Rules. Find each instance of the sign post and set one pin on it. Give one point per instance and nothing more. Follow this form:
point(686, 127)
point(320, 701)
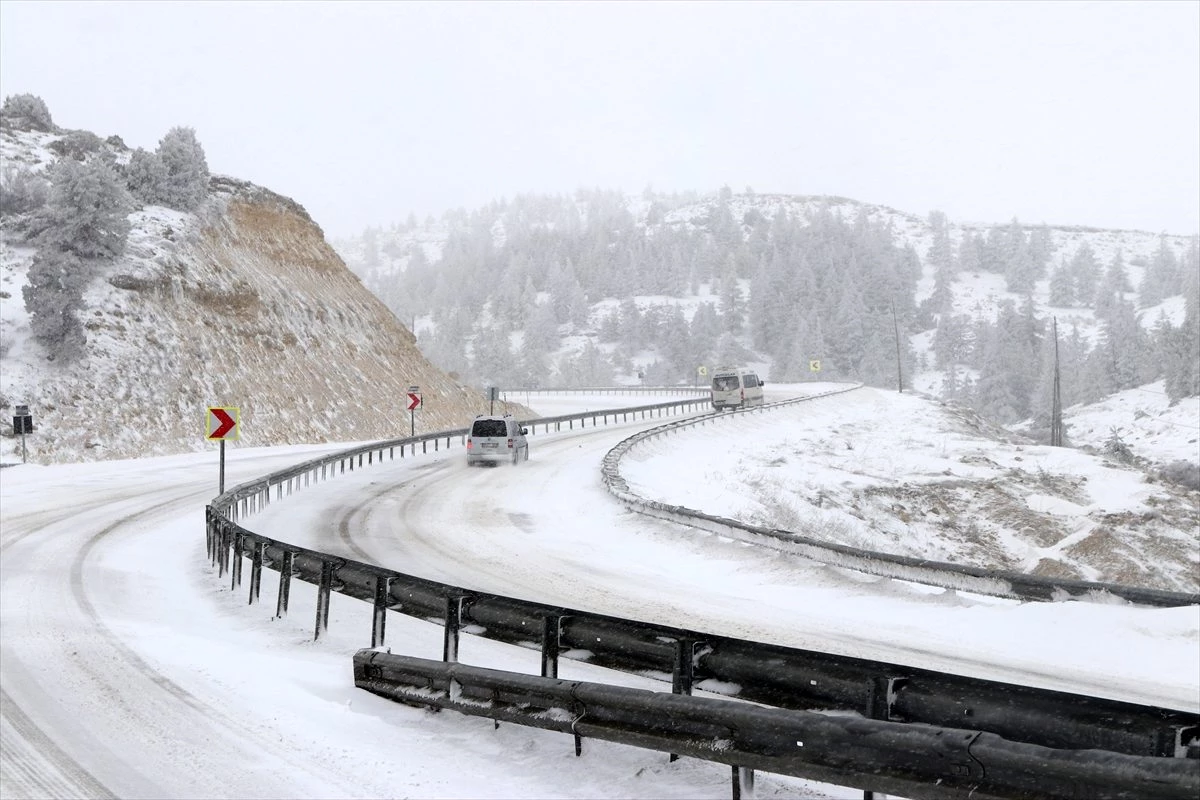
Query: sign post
point(22, 424)
point(221, 423)
point(414, 400)
point(701, 371)
point(492, 393)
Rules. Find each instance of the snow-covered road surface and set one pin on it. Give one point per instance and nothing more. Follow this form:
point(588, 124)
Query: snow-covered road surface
point(130, 670)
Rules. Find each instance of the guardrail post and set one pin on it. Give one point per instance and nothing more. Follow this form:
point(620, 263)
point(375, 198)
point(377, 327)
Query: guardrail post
point(236, 572)
point(256, 564)
point(286, 570)
point(681, 679)
point(222, 548)
point(551, 643)
point(323, 590)
point(683, 672)
point(383, 585)
point(881, 694)
point(454, 609)
point(743, 783)
point(209, 523)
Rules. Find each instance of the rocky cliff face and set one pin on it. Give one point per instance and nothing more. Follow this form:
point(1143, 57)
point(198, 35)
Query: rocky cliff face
point(243, 304)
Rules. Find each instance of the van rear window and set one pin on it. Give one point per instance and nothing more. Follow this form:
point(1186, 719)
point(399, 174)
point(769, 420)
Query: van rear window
point(725, 383)
point(489, 427)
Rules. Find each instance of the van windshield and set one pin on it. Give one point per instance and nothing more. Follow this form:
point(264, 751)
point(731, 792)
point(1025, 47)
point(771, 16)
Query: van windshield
point(489, 427)
point(725, 383)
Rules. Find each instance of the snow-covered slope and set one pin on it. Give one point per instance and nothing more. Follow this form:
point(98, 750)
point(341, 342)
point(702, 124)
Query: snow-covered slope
point(241, 304)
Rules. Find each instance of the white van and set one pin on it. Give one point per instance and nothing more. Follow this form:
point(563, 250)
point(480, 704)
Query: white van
point(496, 438)
point(735, 387)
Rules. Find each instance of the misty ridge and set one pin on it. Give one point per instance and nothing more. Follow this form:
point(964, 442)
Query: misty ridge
point(604, 288)
point(600, 287)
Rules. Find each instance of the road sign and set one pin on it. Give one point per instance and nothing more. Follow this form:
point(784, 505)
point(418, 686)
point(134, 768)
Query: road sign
point(22, 420)
point(702, 370)
point(814, 365)
point(414, 400)
point(222, 423)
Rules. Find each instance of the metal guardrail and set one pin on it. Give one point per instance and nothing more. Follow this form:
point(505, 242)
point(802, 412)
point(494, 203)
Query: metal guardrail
point(784, 677)
point(997, 583)
point(253, 495)
point(917, 762)
point(771, 674)
point(605, 390)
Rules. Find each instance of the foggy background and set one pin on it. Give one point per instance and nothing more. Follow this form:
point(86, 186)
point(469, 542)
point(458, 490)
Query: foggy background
point(1065, 113)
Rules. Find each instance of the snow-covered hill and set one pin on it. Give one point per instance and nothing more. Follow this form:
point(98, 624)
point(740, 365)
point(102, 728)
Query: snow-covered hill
point(383, 257)
point(241, 304)
point(379, 255)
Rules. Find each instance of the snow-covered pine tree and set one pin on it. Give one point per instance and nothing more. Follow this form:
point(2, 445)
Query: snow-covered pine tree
point(145, 175)
point(26, 112)
point(186, 183)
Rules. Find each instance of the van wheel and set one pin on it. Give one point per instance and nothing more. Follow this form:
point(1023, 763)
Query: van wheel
point(514, 458)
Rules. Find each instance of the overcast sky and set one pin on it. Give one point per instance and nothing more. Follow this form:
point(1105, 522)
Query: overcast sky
point(1084, 113)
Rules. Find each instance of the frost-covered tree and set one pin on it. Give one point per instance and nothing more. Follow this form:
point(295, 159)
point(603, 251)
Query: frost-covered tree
point(705, 326)
point(846, 338)
point(1062, 286)
point(53, 297)
point(1007, 362)
point(587, 368)
point(87, 211)
point(22, 191)
point(970, 253)
point(85, 221)
point(952, 341)
point(186, 183)
point(567, 296)
point(145, 175)
point(733, 304)
point(1071, 349)
point(1112, 288)
point(541, 333)
point(26, 112)
point(729, 351)
point(877, 367)
point(1161, 279)
point(1085, 272)
point(492, 356)
point(1180, 346)
point(1123, 351)
point(680, 352)
point(1021, 268)
point(941, 251)
point(78, 145)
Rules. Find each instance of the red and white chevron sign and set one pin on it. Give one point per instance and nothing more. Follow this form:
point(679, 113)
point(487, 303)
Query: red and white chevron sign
point(222, 423)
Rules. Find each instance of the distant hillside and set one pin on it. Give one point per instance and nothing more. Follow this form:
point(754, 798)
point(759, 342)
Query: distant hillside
point(546, 290)
point(239, 303)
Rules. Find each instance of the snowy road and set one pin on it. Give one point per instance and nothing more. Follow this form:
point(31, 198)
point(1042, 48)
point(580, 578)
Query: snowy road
point(128, 669)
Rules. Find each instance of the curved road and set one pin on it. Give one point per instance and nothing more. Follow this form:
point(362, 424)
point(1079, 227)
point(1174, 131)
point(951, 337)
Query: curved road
point(116, 681)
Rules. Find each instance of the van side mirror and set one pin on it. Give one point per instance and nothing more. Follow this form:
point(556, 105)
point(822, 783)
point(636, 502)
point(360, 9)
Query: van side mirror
point(524, 431)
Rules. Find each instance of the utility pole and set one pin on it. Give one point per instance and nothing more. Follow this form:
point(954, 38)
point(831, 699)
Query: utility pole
point(896, 331)
point(1056, 424)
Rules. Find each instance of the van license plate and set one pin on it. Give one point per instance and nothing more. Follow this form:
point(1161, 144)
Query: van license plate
point(490, 445)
